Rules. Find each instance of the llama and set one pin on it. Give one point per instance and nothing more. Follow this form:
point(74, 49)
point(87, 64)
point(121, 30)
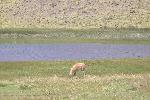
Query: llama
point(76, 67)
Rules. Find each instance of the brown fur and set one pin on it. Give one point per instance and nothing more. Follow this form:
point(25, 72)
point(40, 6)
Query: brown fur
point(76, 67)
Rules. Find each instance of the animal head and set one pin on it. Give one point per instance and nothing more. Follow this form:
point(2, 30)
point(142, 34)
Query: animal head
point(72, 72)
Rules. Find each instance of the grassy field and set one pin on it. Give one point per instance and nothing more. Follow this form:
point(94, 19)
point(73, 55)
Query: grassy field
point(110, 35)
point(118, 79)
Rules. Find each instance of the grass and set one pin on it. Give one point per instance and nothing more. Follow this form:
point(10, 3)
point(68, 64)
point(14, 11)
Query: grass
point(7, 1)
point(72, 40)
point(81, 15)
point(118, 79)
point(60, 68)
point(77, 32)
point(23, 35)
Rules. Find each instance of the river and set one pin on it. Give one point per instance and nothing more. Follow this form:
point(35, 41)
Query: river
point(82, 51)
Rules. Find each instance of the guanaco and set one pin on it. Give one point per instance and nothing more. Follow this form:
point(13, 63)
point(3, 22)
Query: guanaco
point(76, 67)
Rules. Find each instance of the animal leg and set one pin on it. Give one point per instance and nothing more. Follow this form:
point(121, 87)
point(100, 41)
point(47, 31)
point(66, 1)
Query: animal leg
point(84, 74)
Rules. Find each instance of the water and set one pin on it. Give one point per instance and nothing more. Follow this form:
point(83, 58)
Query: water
point(36, 52)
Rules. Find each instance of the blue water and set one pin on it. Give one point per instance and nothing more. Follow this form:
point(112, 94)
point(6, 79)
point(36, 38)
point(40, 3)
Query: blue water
point(36, 52)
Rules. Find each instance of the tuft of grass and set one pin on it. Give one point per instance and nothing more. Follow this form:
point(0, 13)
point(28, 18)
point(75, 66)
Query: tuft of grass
point(24, 87)
point(3, 85)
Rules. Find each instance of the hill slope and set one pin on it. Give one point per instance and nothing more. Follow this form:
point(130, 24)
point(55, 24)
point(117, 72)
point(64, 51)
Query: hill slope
point(75, 13)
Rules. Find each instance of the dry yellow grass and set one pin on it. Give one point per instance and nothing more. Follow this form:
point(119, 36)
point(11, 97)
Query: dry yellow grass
point(95, 87)
point(75, 13)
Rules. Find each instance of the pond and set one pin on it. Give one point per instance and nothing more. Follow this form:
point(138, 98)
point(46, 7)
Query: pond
point(82, 51)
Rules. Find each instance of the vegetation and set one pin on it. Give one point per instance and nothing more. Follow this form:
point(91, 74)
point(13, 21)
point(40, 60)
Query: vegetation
point(74, 13)
point(95, 35)
point(105, 79)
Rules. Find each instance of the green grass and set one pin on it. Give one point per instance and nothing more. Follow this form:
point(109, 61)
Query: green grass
point(61, 68)
point(78, 32)
point(23, 35)
point(118, 79)
point(72, 40)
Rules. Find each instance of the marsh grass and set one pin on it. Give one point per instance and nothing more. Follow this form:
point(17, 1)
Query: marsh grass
point(70, 30)
point(118, 79)
point(95, 35)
